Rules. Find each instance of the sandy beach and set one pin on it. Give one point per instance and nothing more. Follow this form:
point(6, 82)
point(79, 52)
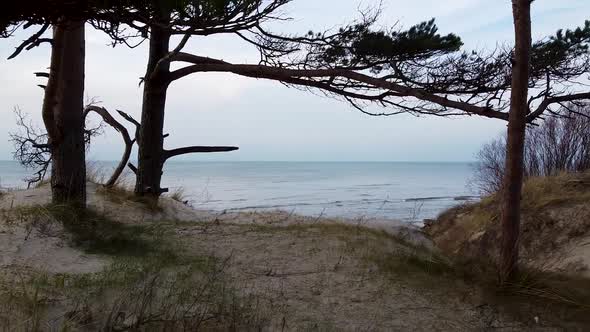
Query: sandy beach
point(295, 272)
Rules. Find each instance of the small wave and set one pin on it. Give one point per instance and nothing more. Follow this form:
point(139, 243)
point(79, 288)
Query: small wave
point(421, 199)
point(375, 185)
point(281, 198)
point(364, 202)
point(266, 207)
point(466, 198)
point(440, 198)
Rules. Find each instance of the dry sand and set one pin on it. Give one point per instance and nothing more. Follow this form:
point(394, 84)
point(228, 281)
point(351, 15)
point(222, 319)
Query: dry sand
point(307, 277)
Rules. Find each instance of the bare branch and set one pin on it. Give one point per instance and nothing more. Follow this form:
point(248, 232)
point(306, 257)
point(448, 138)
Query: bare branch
point(106, 116)
point(556, 100)
point(31, 148)
point(133, 121)
point(132, 168)
point(305, 77)
point(197, 149)
point(42, 74)
point(33, 40)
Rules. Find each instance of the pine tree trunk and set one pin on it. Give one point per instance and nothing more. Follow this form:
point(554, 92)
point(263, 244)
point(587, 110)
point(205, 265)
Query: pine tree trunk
point(151, 139)
point(512, 187)
point(63, 114)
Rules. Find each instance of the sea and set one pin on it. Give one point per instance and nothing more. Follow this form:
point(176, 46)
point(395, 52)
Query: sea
point(406, 191)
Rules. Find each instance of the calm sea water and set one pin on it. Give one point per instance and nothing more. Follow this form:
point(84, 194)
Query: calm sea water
point(404, 191)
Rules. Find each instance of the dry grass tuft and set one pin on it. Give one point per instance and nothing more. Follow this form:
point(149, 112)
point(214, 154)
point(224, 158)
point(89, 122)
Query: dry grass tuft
point(542, 196)
point(43, 183)
point(179, 195)
point(552, 191)
point(123, 192)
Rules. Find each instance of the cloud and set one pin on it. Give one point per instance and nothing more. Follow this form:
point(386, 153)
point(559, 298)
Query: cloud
point(269, 121)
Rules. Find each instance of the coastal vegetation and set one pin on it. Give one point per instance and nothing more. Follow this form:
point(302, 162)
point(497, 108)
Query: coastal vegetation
point(557, 145)
point(112, 267)
point(105, 255)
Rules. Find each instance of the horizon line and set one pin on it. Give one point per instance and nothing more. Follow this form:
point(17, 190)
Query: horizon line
point(296, 161)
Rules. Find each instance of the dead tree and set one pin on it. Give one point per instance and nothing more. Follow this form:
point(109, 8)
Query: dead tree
point(32, 150)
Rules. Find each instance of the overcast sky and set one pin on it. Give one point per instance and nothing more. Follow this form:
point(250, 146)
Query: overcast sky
point(269, 121)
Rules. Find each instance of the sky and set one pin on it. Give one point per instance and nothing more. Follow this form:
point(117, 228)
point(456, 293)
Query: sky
point(271, 122)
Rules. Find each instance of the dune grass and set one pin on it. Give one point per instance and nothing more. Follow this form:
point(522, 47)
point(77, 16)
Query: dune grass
point(94, 233)
point(122, 192)
point(149, 276)
point(179, 195)
point(565, 188)
point(149, 284)
point(553, 297)
point(464, 231)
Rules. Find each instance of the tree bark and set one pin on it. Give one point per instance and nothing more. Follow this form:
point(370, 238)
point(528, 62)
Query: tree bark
point(151, 141)
point(512, 187)
point(63, 114)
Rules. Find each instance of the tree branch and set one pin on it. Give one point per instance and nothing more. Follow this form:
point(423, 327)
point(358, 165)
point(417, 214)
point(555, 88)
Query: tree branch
point(33, 40)
point(132, 168)
point(197, 149)
point(304, 76)
point(133, 121)
point(124, 133)
point(553, 100)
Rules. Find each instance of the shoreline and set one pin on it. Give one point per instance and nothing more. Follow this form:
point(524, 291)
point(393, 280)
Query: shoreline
point(172, 210)
point(286, 271)
point(341, 189)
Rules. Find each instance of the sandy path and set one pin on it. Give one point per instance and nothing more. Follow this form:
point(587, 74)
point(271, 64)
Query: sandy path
point(305, 275)
point(312, 279)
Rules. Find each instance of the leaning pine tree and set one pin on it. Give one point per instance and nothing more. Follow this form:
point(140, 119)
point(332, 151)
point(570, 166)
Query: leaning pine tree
point(417, 71)
point(245, 20)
